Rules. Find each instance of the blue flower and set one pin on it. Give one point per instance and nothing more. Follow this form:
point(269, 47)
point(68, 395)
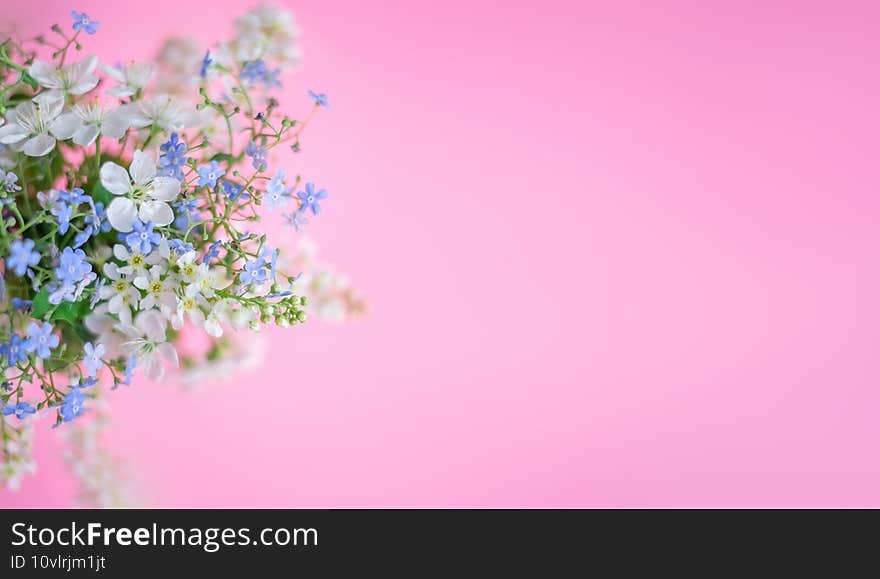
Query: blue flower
point(142, 238)
point(75, 196)
point(21, 304)
point(72, 266)
point(320, 99)
point(173, 157)
point(233, 191)
point(40, 339)
point(81, 21)
point(206, 62)
point(208, 175)
point(295, 219)
point(187, 214)
point(14, 350)
point(65, 212)
point(277, 192)
point(309, 198)
point(92, 357)
point(96, 222)
point(256, 71)
point(179, 246)
point(213, 252)
point(257, 155)
point(61, 292)
point(19, 410)
point(22, 257)
point(73, 403)
point(254, 271)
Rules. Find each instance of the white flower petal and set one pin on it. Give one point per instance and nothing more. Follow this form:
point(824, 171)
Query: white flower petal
point(143, 168)
point(121, 214)
point(168, 352)
point(65, 125)
point(51, 104)
point(85, 84)
point(120, 252)
point(45, 74)
point(115, 123)
point(121, 91)
point(156, 211)
point(39, 145)
point(115, 179)
point(86, 135)
point(114, 72)
point(165, 189)
point(152, 325)
point(12, 133)
point(136, 117)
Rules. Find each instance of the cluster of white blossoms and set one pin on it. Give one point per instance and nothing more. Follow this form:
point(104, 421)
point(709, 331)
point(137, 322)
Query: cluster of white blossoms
point(131, 198)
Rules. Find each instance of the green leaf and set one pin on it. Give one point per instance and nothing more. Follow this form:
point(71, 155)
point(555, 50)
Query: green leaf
point(41, 305)
point(100, 194)
point(70, 312)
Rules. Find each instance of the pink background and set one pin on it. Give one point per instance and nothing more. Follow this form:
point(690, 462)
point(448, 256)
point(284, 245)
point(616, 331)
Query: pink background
point(616, 254)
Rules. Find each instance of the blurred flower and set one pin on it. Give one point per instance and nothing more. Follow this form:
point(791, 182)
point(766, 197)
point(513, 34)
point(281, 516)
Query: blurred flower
point(81, 21)
point(320, 99)
point(19, 410)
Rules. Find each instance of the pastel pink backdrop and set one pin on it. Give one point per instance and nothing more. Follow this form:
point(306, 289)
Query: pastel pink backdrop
point(616, 254)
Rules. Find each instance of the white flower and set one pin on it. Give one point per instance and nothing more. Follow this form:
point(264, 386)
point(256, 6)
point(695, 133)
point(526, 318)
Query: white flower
point(205, 281)
point(266, 31)
point(148, 344)
point(135, 262)
point(189, 306)
point(121, 295)
point(90, 121)
point(163, 111)
point(107, 329)
point(213, 325)
point(74, 79)
point(159, 287)
point(33, 126)
point(144, 195)
point(188, 266)
point(133, 78)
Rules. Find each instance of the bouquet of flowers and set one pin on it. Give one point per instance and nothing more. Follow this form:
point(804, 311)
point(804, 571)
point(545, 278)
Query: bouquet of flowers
point(130, 200)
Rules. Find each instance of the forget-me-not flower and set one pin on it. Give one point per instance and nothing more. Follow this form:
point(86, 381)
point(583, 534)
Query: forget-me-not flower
point(81, 21)
point(14, 350)
point(320, 99)
point(209, 174)
point(72, 266)
point(257, 155)
point(40, 339)
point(206, 62)
point(92, 357)
point(22, 257)
point(213, 252)
point(19, 410)
point(173, 157)
point(310, 198)
point(142, 238)
point(277, 193)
